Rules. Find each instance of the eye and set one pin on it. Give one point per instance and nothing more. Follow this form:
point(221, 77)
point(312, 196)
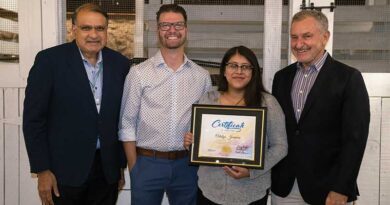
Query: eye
point(164, 26)
point(86, 28)
point(234, 66)
point(307, 36)
point(246, 67)
point(179, 25)
point(293, 37)
point(100, 28)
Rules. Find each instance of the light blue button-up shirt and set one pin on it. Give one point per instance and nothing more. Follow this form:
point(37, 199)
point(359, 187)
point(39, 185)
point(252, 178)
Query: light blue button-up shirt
point(157, 101)
point(95, 78)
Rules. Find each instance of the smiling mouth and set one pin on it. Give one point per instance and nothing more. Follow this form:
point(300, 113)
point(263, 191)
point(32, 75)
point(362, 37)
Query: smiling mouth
point(302, 50)
point(172, 37)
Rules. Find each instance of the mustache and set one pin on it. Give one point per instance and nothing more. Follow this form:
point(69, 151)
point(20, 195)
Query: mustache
point(302, 48)
point(92, 40)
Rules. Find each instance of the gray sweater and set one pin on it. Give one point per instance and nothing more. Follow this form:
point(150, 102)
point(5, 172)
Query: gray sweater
point(223, 189)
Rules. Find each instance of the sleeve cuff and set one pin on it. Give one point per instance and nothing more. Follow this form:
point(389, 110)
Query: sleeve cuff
point(126, 135)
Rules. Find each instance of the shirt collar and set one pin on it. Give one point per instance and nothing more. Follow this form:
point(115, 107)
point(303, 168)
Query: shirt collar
point(159, 62)
point(316, 65)
point(99, 60)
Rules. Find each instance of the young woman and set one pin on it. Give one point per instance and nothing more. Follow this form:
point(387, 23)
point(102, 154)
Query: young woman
point(240, 84)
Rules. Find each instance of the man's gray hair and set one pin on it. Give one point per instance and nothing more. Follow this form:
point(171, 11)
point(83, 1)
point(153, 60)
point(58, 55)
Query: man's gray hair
point(89, 7)
point(317, 15)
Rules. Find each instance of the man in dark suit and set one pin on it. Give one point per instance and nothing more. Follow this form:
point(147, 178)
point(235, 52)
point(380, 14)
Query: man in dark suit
point(71, 113)
point(327, 119)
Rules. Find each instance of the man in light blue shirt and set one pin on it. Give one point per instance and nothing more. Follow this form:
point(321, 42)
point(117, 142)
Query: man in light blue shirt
point(95, 79)
point(155, 115)
point(70, 117)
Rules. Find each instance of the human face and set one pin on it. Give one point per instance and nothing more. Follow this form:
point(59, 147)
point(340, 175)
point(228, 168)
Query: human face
point(90, 32)
point(308, 40)
point(172, 38)
point(239, 78)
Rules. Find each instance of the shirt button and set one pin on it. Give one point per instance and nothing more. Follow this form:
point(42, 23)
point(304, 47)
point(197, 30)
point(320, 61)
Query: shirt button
point(300, 91)
point(305, 75)
point(298, 110)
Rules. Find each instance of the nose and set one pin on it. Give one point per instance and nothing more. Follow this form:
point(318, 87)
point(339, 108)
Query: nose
point(239, 70)
point(172, 28)
point(299, 43)
point(93, 33)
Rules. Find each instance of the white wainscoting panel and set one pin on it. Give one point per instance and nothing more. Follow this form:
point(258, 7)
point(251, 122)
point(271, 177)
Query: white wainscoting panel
point(11, 148)
point(385, 154)
point(1, 145)
point(368, 180)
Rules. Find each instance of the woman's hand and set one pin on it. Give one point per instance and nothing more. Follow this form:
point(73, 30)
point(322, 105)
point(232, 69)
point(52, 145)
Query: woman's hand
point(188, 140)
point(236, 172)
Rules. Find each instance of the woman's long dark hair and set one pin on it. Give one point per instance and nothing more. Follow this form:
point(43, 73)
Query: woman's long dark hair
point(253, 90)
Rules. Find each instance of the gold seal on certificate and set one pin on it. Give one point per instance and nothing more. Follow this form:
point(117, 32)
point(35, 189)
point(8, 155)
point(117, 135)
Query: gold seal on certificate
point(228, 135)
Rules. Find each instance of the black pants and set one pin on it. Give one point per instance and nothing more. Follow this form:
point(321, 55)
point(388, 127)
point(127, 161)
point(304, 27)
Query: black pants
point(95, 191)
point(202, 200)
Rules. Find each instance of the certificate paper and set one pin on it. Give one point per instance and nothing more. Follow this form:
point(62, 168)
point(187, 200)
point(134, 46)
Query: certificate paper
point(228, 135)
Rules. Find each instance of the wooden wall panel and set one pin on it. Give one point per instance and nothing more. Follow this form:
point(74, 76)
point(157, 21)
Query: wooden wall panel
point(342, 41)
point(30, 34)
point(385, 154)
point(226, 13)
point(31, 40)
point(11, 142)
point(368, 180)
point(9, 74)
point(1, 146)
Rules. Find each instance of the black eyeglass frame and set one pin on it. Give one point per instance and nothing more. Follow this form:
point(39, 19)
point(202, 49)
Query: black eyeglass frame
point(165, 26)
point(244, 67)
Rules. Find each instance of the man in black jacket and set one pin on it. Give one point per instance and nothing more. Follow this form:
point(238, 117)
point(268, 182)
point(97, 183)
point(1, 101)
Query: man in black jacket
point(327, 119)
point(71, 113)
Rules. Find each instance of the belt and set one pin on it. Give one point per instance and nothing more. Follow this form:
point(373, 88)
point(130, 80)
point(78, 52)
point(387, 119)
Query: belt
point(171, 155)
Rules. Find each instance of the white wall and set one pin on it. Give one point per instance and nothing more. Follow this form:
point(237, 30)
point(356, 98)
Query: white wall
point(17, 185)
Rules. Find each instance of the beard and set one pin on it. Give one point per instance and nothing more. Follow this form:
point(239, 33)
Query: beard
point(166, 43)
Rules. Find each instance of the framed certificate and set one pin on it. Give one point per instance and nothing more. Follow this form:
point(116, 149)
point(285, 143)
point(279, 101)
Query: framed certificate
point(228, 135)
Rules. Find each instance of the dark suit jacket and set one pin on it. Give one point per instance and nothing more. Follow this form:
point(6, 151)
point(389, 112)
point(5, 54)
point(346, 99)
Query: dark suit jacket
point(326, 146)
point(60, 118)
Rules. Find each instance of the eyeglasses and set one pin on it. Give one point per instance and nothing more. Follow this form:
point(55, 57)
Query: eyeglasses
point(165, 26)
point(245, 68)
point(89, 28)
